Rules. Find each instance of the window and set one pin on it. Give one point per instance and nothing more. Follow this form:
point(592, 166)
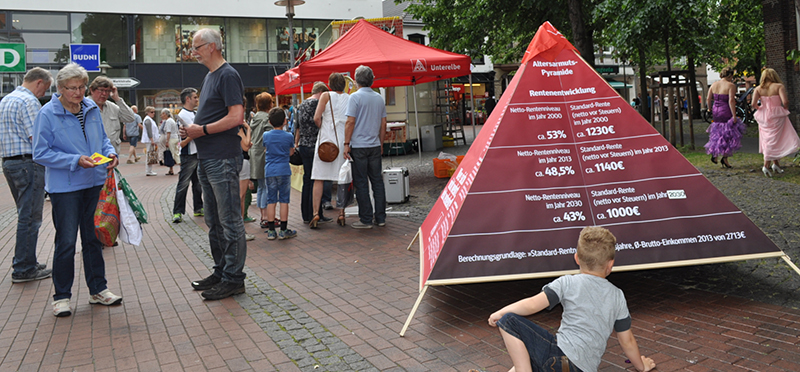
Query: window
point(155, 39)
point(39, 21)
point(43, 48)
point(417, 38)
point(184, 33)
point(246, 40)
point(108, 30)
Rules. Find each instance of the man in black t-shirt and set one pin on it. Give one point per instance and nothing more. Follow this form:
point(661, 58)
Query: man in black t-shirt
point(220, 160)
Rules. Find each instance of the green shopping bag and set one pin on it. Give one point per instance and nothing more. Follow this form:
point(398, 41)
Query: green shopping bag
point(133, 201)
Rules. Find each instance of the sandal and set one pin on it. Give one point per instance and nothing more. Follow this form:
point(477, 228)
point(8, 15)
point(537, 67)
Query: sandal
point(340, 220)
point(314, 221)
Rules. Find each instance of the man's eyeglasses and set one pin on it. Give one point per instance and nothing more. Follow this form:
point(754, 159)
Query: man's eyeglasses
point(195, 48)
point(79, 88)
point(103, 91)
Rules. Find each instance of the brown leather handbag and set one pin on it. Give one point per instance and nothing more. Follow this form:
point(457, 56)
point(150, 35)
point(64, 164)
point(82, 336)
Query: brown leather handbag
point(328, 151)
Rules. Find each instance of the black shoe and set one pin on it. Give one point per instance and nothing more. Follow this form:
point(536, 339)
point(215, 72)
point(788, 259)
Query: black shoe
point(223, 290)
point(41, 266)
point(714, 159)
point(37, 274)
point(206, 283)
point(324, 219)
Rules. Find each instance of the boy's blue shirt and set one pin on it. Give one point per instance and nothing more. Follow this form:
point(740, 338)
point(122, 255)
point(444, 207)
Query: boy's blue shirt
point(278, 144)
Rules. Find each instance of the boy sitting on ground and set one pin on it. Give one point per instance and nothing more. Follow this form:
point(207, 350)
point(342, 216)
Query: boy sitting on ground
point(593, 307)
point(280, 146)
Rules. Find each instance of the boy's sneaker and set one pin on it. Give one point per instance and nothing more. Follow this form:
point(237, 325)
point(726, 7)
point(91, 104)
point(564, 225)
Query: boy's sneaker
point(206, 283)
point(272, 235)
point(37, 274)
point(223, 290)
point(361, 225)
point(286, 234)
point(105, 298)
point(249, 219)
point(249, 237)
point(199, 213)
point(61, 308)
point(176, 218)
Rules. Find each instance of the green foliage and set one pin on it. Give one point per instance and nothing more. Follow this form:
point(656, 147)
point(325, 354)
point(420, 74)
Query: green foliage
point(793, 56)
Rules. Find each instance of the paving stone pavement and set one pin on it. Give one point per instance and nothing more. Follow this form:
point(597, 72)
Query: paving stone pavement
point(334, 299)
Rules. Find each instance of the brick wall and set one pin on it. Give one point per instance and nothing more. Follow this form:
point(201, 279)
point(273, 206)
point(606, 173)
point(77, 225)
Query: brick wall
point(780, 35)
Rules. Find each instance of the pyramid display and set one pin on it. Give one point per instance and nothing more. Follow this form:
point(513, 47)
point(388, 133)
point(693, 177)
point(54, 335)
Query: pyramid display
point(561, 151)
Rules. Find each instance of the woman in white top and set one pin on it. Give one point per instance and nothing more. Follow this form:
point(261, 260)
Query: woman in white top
point(150, 137)
point(329, 132)
point(170, 130)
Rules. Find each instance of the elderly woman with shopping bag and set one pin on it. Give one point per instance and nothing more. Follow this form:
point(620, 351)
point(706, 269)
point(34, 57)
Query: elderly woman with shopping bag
point(67, 132)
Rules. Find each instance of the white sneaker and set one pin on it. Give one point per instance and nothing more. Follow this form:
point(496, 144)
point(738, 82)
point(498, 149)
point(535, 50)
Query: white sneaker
point(151, 173)
point(61, 308)
point(249, 237)
point(105, 298)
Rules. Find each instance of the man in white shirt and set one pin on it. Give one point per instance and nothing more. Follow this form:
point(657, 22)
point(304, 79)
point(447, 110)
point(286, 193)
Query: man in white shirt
point(114, 114)
point(188, 170)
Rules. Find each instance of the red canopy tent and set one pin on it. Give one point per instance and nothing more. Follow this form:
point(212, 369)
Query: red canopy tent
point(395, 61)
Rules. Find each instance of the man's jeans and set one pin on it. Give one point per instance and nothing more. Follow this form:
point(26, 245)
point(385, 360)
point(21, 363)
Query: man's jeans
point(72, 211)
point(541, 345)
point(26, 181)
point(188, 173)
point(367, 169)
point(223, 216)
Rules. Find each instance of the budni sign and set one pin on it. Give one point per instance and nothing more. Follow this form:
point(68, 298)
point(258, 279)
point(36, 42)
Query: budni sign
point(12, 58)
point(86, 55)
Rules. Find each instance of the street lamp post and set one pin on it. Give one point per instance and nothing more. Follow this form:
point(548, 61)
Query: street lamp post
point(290, 4)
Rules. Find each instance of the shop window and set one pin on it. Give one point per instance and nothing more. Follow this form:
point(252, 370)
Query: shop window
point(38, 21)
point(246, 40)
point(390, 96)
point(43, 48)
point(108, 30)
point(2, 20)
point(156, 38)
point(184, 32)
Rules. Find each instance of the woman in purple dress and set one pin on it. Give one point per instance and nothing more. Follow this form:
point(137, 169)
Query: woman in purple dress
point(726, 130)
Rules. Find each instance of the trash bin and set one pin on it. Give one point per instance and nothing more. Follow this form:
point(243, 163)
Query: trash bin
point(432, 137)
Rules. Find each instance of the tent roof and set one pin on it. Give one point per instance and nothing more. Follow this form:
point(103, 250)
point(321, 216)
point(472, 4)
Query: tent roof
point(394, 61)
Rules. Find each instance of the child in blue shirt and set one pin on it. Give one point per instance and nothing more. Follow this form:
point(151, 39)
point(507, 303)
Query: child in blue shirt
point(280, 146)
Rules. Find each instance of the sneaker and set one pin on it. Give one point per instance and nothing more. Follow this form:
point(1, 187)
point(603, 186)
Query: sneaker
point(37, 274)
point(130, 161)
point(105, 298)
point(249, 237)
point(324, 219)
point(380, 224)
point(327, 206)
point(176, 218)
point(249, 219)
point(223, 290)
point(151, 174)
point(61, 308)
point(360, 225)
point(138, 158)
point(206, 283)
point(272, 235)
point(199, 213)
point(286, 234)
point(41, 266)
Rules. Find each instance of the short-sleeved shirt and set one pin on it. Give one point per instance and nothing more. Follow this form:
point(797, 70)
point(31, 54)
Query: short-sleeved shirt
point(593, 307)
point(308, 129)
point(188, 118)
point(132, 128)
point(221, 89)
point(278, 144)
point(368, 108)
point(18, 111)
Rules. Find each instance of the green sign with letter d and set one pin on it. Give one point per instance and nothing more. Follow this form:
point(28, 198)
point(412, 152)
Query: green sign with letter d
point(12, 58)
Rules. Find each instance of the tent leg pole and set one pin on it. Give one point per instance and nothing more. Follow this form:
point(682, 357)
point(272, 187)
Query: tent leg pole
point(791, 264)
point(472, 97)
point(413, 310)
point(416, 119)
point(413, 240)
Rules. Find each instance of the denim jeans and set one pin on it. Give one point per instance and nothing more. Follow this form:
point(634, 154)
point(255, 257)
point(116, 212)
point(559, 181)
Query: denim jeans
point(307, 195)
point(542, 347)
point(26, 181)
point(327, 190)
point(72, 211)
point(367, 169)
point(188, 173)
point(223, 216)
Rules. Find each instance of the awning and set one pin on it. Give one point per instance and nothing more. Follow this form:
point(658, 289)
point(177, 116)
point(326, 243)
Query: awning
point(619, 85)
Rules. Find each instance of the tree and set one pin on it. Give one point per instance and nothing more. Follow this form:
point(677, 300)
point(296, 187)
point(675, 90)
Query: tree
point(501, 28)
point(741, 24)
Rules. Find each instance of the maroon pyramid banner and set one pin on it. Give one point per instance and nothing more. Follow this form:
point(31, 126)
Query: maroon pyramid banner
point(561, 151)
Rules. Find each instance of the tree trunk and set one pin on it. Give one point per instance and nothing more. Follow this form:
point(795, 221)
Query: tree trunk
point(645, 108)
point(693, 89)
point(583, 38)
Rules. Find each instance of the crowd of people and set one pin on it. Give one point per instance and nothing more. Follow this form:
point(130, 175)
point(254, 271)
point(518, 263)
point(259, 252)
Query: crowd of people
point(48, 149)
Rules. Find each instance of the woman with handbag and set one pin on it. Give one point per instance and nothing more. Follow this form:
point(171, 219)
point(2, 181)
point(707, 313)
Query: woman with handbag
point(67, 131)
point(150, 139)
point(305, 140)
point(170, 140)
point(328, 155)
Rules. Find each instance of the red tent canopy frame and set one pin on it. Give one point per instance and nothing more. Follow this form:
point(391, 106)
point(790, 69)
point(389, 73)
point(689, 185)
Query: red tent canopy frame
point(394, 61)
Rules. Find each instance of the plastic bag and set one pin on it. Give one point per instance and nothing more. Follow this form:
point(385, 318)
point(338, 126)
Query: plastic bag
point(447, 156)
point(133, 202)
point(106, 214)
point(130, 230)
point(346, 173)
point(345, 195)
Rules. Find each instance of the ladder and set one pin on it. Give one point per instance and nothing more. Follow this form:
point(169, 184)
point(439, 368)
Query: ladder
point(447, 112)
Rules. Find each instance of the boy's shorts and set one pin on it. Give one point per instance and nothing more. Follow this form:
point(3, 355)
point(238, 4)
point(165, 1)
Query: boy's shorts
point(278, 189)
point(542, 346)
